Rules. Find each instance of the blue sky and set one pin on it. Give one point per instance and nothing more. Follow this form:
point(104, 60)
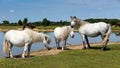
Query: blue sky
point(56, 10)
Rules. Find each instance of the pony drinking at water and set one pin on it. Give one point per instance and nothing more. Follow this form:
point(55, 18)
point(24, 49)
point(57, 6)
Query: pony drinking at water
point(87, 29)
point(24, 38)
point(61, 34)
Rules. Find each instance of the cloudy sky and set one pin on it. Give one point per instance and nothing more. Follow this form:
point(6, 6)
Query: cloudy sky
point(55, 10)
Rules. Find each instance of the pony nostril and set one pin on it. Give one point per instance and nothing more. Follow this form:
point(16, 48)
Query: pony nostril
point(48, 42)
point(72, 26)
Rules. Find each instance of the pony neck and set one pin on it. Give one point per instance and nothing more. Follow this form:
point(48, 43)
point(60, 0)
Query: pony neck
point(38, 37)
point(69, 29)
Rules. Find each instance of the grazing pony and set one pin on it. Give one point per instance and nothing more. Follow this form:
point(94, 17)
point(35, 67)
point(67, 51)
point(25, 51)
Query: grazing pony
point(24, 38)
point(92, 30)
point(61, 34)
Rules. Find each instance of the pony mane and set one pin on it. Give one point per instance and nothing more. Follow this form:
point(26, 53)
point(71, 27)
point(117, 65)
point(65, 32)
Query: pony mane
point(81, 22)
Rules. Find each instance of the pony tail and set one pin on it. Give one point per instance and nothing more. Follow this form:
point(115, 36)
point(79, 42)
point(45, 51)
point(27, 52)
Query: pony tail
point(5, 46)
point(107, 33)
point(109, 30)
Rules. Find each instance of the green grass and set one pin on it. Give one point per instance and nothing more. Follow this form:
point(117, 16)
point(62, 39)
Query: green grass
point(115, 28)
point(10, 27)
point(38, 27)
point(43, 27)
point(90, 58)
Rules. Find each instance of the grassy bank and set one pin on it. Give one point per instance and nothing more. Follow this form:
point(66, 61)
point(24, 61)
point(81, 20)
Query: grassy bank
point(40, 28)
point(90, 58)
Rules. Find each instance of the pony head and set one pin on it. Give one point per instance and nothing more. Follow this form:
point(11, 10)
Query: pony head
point(74, 21)
point(71, 32)
point(46, 42)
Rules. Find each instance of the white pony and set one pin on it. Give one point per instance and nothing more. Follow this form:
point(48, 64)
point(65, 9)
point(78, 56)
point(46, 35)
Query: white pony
point(61, 34)
point(92, 30)
point(24, 38)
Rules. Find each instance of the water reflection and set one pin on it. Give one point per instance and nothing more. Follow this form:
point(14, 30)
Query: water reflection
point(76, 40)
point(117, 33)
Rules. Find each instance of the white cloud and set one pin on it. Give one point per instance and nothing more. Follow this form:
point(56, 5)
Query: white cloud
point(12, 11)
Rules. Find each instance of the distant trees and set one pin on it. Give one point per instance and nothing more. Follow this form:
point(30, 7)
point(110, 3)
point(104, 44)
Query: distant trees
point(25, 21)
point(20, 22)
point(110, 21)
point(6, 22)
point(46, 22)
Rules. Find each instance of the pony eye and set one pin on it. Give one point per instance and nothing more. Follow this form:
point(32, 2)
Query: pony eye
point(45, 38)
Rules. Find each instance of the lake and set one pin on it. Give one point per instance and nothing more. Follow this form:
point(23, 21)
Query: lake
point(37, 46)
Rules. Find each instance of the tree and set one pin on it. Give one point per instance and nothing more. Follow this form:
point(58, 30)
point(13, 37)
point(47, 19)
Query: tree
point(45, 22)
point(25, 21)
point(6, 22)
point(20, 22)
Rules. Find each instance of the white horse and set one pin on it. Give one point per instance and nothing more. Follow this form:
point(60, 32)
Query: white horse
point(92, 30)
point(61, 34)
point(24, 38)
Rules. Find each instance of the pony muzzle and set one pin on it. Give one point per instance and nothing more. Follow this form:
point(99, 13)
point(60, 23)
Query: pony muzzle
point(49, 48)
point(72, 34)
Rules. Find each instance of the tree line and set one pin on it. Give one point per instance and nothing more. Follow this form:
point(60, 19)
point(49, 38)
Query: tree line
point(46, 22)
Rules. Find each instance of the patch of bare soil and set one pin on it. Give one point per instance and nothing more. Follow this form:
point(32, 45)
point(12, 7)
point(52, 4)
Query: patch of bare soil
point(54, 51)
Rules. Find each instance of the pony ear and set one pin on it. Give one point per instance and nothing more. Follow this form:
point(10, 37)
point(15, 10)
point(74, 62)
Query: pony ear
point(75, 17)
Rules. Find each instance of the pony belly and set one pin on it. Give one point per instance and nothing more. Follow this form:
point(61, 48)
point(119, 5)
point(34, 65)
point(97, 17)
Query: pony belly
point(89, 32)
point(92, 35)
point(58, 37)
point(18, 43)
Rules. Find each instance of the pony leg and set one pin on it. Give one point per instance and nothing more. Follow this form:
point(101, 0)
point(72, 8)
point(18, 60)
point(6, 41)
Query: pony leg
point(58, 44)
point(106, 36)
point(29, 47)
point(25, 49)
point(87, 41)
point(105, 41)
point(83, 38)
point(64, 45)
point(10, 51)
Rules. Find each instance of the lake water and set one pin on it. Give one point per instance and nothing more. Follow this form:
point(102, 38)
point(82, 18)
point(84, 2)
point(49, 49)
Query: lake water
point(37, 46)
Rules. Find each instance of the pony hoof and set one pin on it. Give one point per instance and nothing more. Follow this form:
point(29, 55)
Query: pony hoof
point(23, 56)
point(83, 48)
point(49, 48)
point(59, 47)
point(104, 49)
point(66, 48)
point(89, 46)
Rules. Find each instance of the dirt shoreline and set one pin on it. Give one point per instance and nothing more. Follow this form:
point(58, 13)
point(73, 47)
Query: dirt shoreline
point(54, 51)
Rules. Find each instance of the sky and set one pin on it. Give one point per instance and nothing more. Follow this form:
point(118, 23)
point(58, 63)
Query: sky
point(56, 10)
